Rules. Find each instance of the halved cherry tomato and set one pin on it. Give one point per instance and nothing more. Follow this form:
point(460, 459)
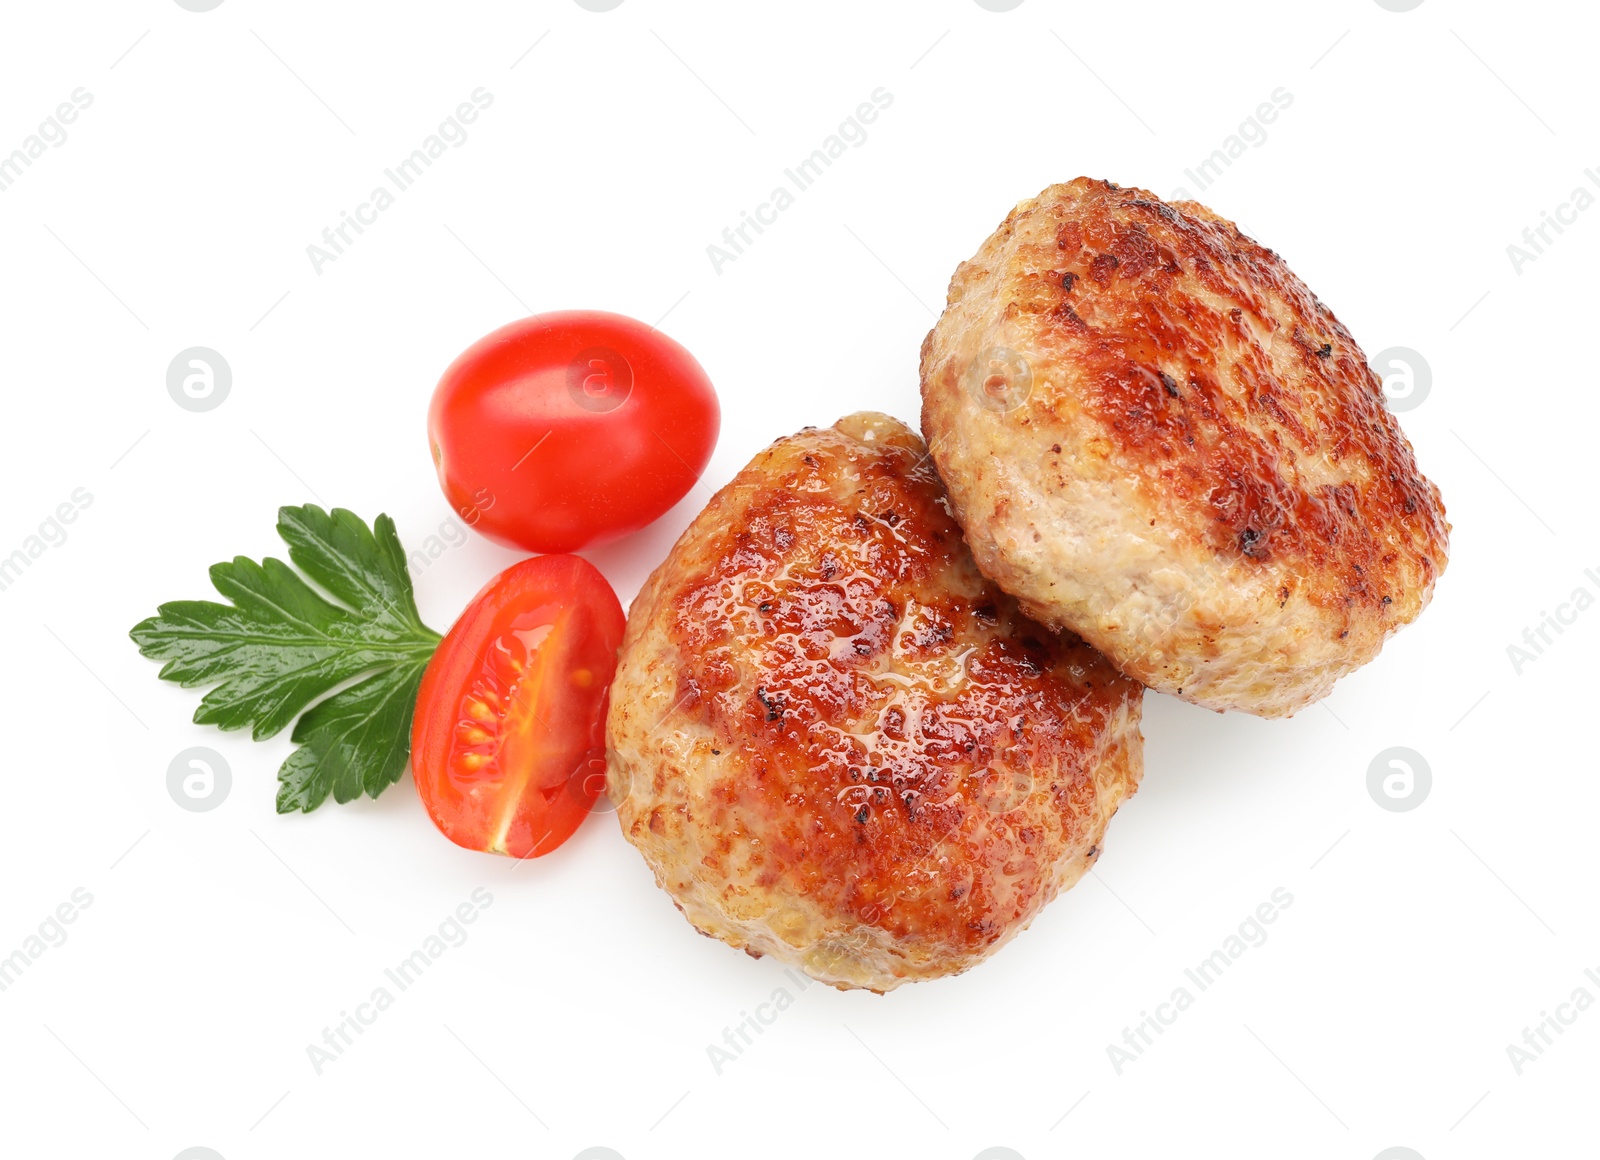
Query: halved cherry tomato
point(568, 429)
point(510, 718)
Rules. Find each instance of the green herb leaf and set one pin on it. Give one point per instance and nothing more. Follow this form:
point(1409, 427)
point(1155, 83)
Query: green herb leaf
point(281, 648)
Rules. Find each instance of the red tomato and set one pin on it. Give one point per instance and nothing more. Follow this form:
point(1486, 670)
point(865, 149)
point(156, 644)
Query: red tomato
point(565, 430)
point(511, 714)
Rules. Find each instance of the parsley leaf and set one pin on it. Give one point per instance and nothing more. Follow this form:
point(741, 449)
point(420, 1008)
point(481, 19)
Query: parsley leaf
point(281, 648)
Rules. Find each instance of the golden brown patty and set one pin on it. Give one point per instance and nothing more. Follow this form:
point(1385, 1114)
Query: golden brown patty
point(834, 742)
point(1155, 436)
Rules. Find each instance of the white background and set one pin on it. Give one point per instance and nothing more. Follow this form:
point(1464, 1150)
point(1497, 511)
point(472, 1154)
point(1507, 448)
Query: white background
point(579, 1012)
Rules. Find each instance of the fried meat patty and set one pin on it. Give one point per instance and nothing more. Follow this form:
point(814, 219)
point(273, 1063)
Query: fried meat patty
point(834, 742)
point(1155, 436)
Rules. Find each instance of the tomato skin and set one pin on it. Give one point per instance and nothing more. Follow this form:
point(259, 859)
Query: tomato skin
point(511, 713)
point(568, 429)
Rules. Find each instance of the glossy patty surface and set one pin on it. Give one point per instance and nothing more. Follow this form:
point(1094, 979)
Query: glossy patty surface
point(836, 743)
point(1157, 437)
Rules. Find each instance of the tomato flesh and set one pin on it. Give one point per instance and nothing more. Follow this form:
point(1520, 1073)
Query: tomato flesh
point(571, 428)
point(510, 717)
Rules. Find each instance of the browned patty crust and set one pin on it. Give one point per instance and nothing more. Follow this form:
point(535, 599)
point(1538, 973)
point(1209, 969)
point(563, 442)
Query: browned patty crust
point(1156, 436)
point(835, 742)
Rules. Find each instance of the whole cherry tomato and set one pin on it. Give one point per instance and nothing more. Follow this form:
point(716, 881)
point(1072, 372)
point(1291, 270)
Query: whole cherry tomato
point(565, 430)
point(508, 743)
